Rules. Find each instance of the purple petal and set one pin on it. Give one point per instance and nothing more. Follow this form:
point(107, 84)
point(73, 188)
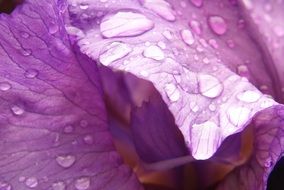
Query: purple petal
point(191, 52)
point(52, 117)
point(268, 146)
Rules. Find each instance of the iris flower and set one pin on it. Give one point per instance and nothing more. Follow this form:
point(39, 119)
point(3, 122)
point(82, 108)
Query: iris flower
point(141, 94)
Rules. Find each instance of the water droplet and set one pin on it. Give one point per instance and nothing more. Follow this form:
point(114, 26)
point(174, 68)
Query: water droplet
point(242, 70)
point(123, 24)
point(114, 52)
point(68, 129)
point(66, 161)
point(231, 43)
point(53, 28)
point(238, 115)
point(161, 8)
point(241, 23)
point(217, 24)
point(162, 45)
point(89, 139)
point(205, 60)
point(5, 186)
point(154, 52)
point(209, 86)
point(84, 123)
point(17, 110)
point(268, 162)
point(58, 185)
point(4, 86)
point(84, 6)
point(194, 107)
point(212, 107)
point(144, 73)
point(168, 35)
point(31, 182)
point(82, 183)
point(197, 3)
point(172, 92)
point(26, 52)
point(196, 27)
point(22, 178)
point(213, 43)
point(187, 37)
point(31, 73)
point(25, 35)
point(249, 96)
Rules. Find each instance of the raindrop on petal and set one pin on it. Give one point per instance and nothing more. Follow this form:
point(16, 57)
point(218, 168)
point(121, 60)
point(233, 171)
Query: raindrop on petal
point(84, 6)
point(197, 3)
point(172, 92)
point(58, 186)
point(25, 35)
point(154, 52)
point(187, 37)
point(196, 27)
point(217, 24)
point(238, 115)
point(31, 73)
point(82, 183)
point(249, 96)
point(5, 186)
point(65, 161)
point(160, 7)
point(68, 129)
point(88, 139)
point(17, 110)
point(31, 182)
point(4, 86)
point(209, 86)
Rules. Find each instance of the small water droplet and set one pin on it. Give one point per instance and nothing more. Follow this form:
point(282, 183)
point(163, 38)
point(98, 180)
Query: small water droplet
point(194, 107)
point(196, 26)
point(26, 52)
point(168, 35)
point(231, 43)
point(213, 43)
point(25, 35)
point(58, 185)
point(82, 183)
point(217, 24)
point(17, 110)
point(31, 73)
point(31, 182)
point(84, 6)
point(187, 37)
point(89, 139)
point(241, 23)
point(5, 186)
point(68, 129)
point(172, 92)
point(154, 52)
point(238, 115)
point(65, 161)
point(4, 86)
point(84, 123)
point(197, 3)
point(242, 70)
point(212, 107)
point(209, 86)
point(53, 28)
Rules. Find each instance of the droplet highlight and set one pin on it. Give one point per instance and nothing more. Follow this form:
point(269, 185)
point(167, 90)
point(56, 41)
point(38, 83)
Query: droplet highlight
point(161, 8)
point(249, 96)
point(31, 182)
point(5, 186)
point(209, 86)
point(4, 86)
point(187, 37)
point(17, 110)
point(58, 186)
point(31, 73)
point(172, 92)
point(154, 52)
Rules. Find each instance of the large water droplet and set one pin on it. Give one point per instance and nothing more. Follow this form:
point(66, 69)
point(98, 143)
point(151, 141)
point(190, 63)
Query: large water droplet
point(114, 52)
point(82, 183)
point(161, 8)
point(154, 52)
point(4, 86)
point(89, 139)
point(31, 182)
point(217, 24)
point(65, 161)
point(197, 3)
point(209, 86)
point(238, 115)
point(31, 73)
point(249, 96)
point(187, 37)
point(58, 185)
point(172, 92)
point(17, 110)
point(5, 186)
point(123, 24)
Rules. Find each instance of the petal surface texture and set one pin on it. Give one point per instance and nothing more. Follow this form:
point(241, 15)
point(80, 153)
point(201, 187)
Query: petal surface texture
point(209, 71)
point(53, 124)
